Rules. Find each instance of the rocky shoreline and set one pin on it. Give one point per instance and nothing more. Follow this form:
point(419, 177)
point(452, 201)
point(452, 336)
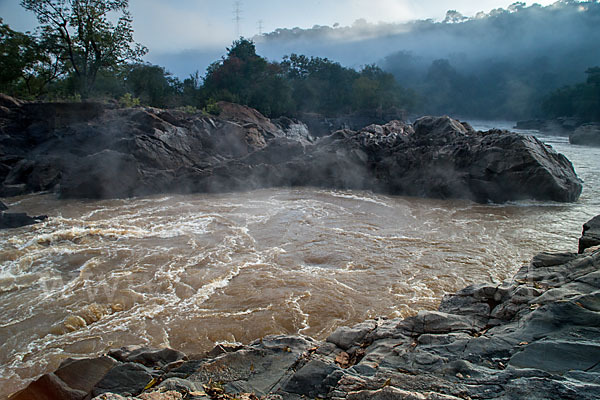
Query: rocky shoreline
point(92, 150)
point(586, 135)
point(579, 132)
point(536, 336)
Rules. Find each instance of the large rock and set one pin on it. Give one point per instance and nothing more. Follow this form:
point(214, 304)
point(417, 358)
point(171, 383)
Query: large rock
point(17, 220)
point(73, 380)
point(88, 150)
point(586, 135)
point(128, 379)
point(591, 234)
point(562, 126)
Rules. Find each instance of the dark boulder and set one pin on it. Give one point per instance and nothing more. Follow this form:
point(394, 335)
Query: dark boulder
point(586, 135)
point(73, 380)
point(591, 234)
point(127, 379)
point(445, 158)
point(17, 220)
point(49, 387)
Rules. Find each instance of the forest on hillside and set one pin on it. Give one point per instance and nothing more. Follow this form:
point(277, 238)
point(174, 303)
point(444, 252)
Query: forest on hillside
point(78, 53)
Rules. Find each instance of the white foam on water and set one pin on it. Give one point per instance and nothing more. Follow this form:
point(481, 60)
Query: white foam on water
point(372, 198)
point(302, 319)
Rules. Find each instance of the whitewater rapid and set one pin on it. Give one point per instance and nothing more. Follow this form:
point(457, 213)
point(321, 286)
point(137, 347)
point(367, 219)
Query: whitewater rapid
point(191, 271)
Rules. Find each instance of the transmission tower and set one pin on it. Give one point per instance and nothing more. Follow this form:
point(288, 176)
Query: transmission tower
point(237, 12)
point(260, 26)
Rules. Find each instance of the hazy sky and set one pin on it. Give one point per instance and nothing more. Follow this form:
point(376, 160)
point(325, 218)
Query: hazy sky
point(167, 26)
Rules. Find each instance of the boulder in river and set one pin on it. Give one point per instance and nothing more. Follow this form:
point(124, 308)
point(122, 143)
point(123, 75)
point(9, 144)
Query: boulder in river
point(17, 220)
point(586, 135)
point(591, 234)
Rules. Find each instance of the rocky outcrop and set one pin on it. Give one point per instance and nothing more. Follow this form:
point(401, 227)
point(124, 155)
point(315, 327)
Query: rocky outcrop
point(534, 337)
point(94, 151)
point(591, 234)
point(320, 125)
point(586, 135)
point(563, 126)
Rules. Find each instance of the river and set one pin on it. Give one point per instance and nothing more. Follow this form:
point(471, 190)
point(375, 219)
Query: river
point(190, 271)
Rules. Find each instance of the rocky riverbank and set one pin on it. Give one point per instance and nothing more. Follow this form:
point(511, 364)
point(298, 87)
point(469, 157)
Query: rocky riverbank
point(534, 337)
point(555, 127)
point(90, 150)
point(579, 132)
point(586, 135)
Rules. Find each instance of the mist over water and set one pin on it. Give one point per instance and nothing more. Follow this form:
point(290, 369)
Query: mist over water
point(190, 271)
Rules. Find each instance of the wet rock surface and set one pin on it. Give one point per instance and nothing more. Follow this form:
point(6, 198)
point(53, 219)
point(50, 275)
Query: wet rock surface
point(591, 234)
point(95, 151)
point(17, 220)
point(10, 220)
point(536, 336)
point(562, 126)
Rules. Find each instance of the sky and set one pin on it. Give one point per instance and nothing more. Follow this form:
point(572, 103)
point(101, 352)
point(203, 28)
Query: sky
point(172, 26)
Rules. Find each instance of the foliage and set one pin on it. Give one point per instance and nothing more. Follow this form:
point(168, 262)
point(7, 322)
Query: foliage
point(152, 84)
point(212, 107)
point(82, 37)
point(246, 78)
point(188, 109)
point(128, 101)
point(298, 84)
point(581, 101)
point(26, 68)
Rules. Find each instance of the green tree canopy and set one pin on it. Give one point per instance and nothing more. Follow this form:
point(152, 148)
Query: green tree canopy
point(26, 66)
point(246, 78)
point(84, 39)
point(581, 100)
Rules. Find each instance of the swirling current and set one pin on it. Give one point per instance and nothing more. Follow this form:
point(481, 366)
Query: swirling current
point(189, 271)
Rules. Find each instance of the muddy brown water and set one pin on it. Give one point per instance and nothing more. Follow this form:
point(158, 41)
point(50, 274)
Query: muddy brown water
point(191, 271)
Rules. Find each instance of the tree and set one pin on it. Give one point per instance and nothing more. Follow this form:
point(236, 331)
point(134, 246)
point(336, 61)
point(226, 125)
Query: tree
point(152, 84)
point(84, 39)
point(246, 78)
point(26, 66)
point(581, 100)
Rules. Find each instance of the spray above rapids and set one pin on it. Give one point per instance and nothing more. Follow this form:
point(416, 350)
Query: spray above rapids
point(132, 152)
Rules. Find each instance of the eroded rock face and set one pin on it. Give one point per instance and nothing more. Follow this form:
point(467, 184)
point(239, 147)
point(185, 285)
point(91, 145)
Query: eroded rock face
point(98, 152)
point(533, 337)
